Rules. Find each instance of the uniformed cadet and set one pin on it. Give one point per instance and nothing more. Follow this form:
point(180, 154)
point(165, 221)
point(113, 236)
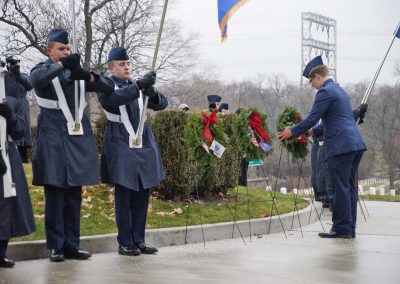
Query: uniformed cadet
point(64, 158)
point(16, 215)
point(17, 85)
point(320, 166)
point(344, 145)
point(214, 102)
point(224, 108)
point(132, 169)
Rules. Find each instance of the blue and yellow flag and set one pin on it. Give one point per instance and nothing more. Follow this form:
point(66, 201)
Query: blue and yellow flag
point(397, 31)
point(226, 8)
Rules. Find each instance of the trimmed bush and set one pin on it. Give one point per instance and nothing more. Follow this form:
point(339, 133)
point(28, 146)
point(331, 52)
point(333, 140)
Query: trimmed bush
point(188, 167)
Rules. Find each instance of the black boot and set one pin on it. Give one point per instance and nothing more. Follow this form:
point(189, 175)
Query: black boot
point(6, 263)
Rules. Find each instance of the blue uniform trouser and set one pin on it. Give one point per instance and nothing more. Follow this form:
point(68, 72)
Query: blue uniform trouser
point(314, 169)
point(62, 216)
point(3, 248)
point(343, 170)
point(131, 214)
point(324, 183)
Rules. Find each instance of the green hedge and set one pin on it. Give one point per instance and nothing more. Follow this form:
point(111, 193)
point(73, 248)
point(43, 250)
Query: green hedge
point(188, 167)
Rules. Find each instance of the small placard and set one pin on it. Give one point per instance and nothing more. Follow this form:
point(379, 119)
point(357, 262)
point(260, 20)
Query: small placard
point(265, 147)
point(205, 146)
point(217, 148)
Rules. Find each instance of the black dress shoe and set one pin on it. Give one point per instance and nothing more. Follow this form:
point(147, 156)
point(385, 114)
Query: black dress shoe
point(128, 250)
point(56, 255)
point(6, 263)
point(353, 235)
point(334, 235)
point(146, 249)
point(76, 253)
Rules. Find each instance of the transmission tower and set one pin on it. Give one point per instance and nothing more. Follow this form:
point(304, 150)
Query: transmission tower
point(318, 37)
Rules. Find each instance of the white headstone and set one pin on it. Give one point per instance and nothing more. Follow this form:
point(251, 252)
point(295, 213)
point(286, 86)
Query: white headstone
point(381, 191)
point(294, 190)
point(361, 189)
point(268, 188)
point(283, 190)
point(392, 192)
point(372, 190)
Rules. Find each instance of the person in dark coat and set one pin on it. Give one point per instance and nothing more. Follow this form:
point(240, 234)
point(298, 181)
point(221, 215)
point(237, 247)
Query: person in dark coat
point(64, 159)
point(133, 170)
point(344, 145)
point(224, 108)
point(16, 214)
point(323, 179)
point(214, 102)
point(17, 85)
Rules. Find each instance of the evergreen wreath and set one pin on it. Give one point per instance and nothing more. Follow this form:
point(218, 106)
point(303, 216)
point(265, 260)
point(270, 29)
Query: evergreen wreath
point(244, 134)
point(195, 140)
point(296, 146)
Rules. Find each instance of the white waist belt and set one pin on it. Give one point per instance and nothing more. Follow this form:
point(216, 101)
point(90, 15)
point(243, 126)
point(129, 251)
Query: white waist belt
point(113, 117)
point(46, 103)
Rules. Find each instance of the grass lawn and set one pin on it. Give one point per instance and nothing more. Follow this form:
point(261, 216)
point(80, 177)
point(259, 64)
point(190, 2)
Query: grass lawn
point(98, 216)
point(382, 198)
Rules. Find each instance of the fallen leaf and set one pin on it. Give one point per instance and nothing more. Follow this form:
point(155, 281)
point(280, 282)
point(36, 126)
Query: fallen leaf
point(177, 211)
point(262, 214)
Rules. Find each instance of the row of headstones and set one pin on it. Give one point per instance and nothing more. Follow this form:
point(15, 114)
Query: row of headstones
point(307, 191)
point(284, 190)
point(371, 181)
point(376, 191)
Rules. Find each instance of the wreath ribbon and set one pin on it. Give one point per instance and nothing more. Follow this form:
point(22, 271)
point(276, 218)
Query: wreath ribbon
point(256, 125)
point(208, 120)
point(302, 138)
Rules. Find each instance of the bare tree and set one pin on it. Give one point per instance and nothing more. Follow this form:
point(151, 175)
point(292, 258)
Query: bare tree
point(384, 125)
point(101, 24)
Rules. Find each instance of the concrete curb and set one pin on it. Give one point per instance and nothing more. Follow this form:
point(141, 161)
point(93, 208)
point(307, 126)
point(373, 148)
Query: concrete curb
point(177, 236)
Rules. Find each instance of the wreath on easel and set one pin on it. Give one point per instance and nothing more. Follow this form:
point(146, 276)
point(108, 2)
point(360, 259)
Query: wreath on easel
point(296, 146)
point(251, 130)
point(202, 131)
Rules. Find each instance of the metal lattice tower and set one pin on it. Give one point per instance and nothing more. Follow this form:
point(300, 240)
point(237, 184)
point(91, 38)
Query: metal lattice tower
point(318, 37)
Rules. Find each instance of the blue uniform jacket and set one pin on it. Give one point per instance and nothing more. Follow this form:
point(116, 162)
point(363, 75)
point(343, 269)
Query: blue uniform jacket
point(332, 104)
point(121, 164)
point(60, 159)
point(16, 214)
point(18, 86)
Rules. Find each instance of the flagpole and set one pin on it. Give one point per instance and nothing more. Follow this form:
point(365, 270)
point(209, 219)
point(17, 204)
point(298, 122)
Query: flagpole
point(74, 50)
point(371, 85)
point(153, 67)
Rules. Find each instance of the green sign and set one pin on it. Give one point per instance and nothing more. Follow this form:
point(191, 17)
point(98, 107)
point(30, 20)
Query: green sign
point(256, 163)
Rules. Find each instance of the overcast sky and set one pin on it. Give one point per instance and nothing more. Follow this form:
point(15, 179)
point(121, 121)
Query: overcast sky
point(264, 36)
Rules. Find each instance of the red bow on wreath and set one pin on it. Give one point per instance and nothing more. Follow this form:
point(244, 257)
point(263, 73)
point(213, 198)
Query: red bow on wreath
point(302, 138)
point(207, 121)
point(256, 125)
